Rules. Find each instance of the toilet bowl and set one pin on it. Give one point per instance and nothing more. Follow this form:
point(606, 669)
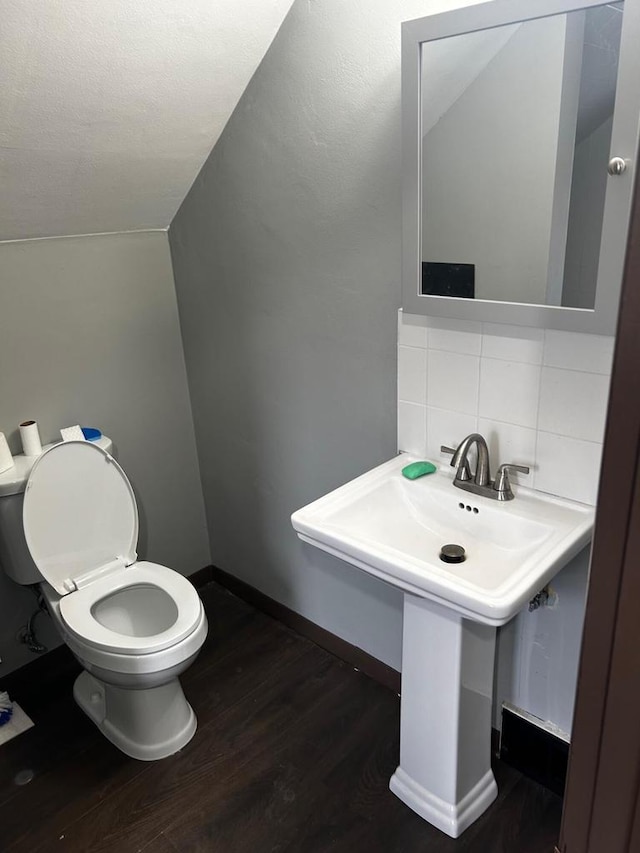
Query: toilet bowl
point(135, 626)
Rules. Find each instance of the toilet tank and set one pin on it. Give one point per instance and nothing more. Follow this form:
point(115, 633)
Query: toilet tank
point(15, 559)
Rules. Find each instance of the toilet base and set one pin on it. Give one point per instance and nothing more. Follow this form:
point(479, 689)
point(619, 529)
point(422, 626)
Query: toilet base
point(145, 724)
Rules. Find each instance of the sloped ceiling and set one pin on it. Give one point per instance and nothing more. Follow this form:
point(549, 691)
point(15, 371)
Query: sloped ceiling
point(108, 109)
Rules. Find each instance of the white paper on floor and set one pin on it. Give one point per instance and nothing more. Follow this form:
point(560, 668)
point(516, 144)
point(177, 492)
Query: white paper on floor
point(18, 723)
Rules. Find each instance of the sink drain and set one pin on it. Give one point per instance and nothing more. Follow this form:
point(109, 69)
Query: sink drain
point(452, 554)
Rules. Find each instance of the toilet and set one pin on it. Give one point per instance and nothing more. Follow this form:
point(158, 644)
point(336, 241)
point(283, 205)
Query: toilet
point(135, 626)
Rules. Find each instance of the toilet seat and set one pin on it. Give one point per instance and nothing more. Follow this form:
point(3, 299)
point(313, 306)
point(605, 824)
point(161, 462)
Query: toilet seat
point(79, 515)
point(78, 609)
point(81, 525)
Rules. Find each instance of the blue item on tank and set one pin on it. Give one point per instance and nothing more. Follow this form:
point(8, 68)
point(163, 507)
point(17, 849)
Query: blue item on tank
point(91, 433)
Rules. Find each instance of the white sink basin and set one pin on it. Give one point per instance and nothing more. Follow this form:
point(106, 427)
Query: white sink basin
point(394, 529)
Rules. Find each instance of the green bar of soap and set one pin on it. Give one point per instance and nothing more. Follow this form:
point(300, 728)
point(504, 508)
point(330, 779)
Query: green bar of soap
point(418, 469)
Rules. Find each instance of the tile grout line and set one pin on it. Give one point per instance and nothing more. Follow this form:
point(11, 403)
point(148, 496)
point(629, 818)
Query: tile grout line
point(537, 427)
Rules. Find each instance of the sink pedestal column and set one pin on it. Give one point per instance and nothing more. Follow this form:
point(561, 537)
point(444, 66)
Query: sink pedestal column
point(445, 716)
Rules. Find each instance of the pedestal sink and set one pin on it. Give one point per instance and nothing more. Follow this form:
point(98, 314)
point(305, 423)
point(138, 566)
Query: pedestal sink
point(394, 528)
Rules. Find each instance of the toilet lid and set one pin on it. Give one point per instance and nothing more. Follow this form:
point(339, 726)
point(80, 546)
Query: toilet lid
point(79, 515)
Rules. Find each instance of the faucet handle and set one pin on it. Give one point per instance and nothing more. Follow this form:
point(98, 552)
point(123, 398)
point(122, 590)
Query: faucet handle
point(508, 466)
point(502, 484)
point(465, 473)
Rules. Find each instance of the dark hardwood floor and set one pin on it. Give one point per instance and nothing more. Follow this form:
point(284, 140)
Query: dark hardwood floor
point(293, 754)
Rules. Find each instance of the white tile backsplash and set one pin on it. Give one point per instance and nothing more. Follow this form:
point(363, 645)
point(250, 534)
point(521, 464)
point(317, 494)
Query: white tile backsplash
point(412, 374)
point(573, 403)
point(568, 467)
point(453, 380)
point(461, 336)
point(538, 397)
point(512, 343)
point(412, 330)
point(412, 428)
point(449, 428)
point(509, 392)
point(589, 353)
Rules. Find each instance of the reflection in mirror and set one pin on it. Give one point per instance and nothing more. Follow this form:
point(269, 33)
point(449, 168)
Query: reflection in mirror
point(516, 130)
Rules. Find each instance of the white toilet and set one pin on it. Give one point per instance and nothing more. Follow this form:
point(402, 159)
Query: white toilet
point(134, 626)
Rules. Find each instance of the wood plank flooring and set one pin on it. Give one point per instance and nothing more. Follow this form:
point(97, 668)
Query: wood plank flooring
point(293, 754)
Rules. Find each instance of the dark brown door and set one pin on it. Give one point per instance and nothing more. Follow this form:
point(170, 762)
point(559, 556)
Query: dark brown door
point(601, 809)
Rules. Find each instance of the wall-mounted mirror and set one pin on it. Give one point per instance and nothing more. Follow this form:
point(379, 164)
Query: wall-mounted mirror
point(510, 123)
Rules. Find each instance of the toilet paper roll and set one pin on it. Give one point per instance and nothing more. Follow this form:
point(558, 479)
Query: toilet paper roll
point(30, 436)
point(6, 459)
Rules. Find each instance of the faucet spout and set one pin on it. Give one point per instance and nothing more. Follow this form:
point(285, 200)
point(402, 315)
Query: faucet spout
point(481, 484)
point(460, 461)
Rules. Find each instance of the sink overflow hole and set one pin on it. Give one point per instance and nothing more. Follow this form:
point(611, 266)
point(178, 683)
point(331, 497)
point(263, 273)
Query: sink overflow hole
point(469, 508)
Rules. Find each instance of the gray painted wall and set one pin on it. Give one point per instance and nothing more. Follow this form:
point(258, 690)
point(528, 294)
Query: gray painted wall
point(89, 334)
point(286, 256)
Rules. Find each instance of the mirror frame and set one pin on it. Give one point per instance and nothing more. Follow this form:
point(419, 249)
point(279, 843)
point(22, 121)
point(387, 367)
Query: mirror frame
point(624, 143)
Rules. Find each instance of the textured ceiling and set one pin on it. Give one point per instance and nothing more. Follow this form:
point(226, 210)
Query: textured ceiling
point(108, 109)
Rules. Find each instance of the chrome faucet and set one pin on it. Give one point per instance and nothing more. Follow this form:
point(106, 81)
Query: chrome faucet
point(481, 483)
point(460, 460)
